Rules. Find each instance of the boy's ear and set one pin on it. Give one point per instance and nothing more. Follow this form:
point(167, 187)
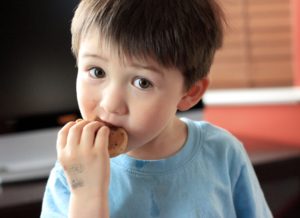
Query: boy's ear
point(193, 95)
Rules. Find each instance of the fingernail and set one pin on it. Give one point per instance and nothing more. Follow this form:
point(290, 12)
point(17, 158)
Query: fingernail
point(78, 120)
point(105, 129)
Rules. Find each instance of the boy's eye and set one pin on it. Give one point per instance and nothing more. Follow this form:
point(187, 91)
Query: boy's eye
point(97, 72)
point(142, 83)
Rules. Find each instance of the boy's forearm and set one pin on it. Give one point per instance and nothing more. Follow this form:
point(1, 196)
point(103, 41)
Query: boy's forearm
point(92, 208)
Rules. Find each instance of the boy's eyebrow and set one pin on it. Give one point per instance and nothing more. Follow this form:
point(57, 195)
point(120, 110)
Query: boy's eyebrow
point(147, 67)
point(90, 55)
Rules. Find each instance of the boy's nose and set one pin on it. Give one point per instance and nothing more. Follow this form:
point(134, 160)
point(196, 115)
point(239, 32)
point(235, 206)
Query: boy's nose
point(113, 101)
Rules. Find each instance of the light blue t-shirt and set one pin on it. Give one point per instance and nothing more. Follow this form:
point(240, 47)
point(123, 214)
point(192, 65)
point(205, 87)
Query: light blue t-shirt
point(210, 177)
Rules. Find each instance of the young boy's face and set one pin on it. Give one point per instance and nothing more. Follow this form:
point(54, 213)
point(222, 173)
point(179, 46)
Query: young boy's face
point(139, 96)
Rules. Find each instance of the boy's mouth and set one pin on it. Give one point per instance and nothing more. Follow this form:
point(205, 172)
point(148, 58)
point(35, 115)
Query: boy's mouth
point(106, 123)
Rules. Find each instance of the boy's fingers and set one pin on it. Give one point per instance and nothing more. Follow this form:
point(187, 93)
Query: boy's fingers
point(102, 139)
point(89, 133)
point(63, 135)
point(75, 131)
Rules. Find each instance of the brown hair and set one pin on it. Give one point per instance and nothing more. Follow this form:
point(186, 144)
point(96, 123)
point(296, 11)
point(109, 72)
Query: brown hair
point(176, 33)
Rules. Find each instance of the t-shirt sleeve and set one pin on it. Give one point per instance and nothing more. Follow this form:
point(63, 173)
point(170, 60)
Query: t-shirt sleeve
point(56, 196)
point(248, 197)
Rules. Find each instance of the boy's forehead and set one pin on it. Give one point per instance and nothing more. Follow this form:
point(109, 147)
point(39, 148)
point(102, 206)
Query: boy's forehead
point(95, 45)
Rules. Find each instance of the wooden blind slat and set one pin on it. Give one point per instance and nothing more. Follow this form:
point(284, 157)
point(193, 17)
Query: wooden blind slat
point(257, 46)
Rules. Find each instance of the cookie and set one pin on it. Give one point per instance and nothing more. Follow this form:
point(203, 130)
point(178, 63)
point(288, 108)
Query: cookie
point(117, 141)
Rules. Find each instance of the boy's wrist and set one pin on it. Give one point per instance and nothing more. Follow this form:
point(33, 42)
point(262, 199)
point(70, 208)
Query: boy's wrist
point(89, 194)
point(88, 206)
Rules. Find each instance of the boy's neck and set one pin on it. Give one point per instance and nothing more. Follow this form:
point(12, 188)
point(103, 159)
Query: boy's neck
point(165, 145)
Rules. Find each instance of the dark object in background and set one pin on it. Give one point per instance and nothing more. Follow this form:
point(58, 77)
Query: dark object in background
point(38, 73)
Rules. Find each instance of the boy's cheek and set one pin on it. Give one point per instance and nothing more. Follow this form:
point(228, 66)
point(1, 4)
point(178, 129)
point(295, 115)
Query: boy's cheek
point(87, 107)
point(145, 126)
point(88, 100)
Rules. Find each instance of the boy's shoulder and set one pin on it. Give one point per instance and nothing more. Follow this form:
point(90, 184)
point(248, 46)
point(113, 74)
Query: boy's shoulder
point(215, 140)
point(210, 132)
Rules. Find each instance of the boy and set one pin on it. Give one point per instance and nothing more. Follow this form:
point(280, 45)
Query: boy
point(139, 61)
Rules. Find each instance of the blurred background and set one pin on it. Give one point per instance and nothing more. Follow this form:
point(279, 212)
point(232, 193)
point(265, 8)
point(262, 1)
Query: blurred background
point(254, 93)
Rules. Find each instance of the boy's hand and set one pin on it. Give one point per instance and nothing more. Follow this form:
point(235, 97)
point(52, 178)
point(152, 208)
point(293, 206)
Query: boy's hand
point(82, 150)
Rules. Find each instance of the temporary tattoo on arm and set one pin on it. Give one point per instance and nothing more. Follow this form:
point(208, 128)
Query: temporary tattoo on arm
point(74, 172)
point(76, 183)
